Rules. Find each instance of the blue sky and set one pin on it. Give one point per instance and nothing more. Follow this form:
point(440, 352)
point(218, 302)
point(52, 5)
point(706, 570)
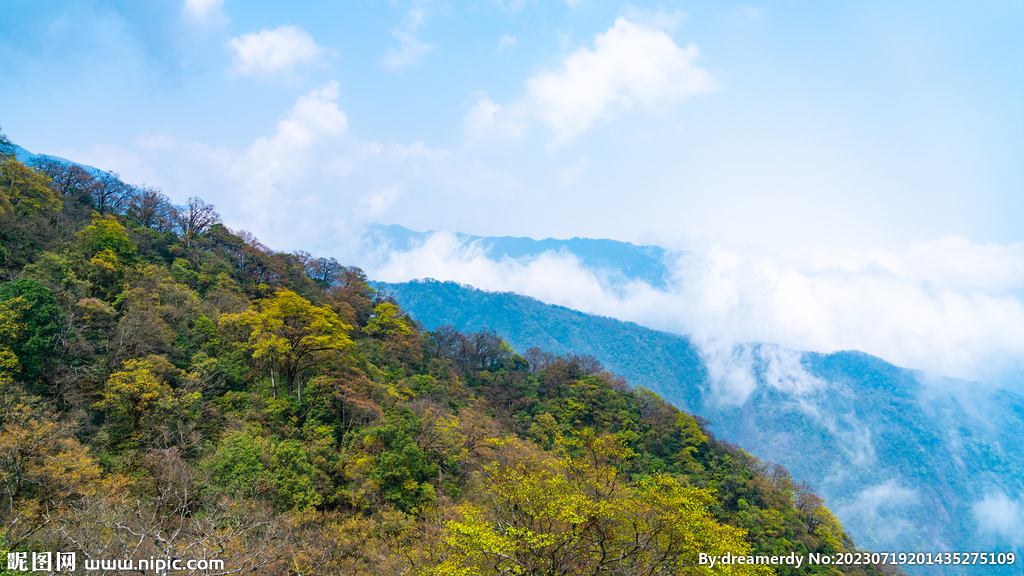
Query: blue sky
point(856, 123)
point(867, 139)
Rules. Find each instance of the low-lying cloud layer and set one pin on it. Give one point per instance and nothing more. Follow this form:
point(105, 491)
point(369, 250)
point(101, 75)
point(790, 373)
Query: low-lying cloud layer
point(947, 306)
point(1000, 515)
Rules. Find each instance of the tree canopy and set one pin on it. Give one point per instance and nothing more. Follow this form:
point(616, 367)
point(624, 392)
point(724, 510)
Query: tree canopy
point(291, 333)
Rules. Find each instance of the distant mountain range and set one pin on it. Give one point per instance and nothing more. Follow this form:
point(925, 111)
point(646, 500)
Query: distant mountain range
point(621, 260)
point(27, 157)
point(907, 461)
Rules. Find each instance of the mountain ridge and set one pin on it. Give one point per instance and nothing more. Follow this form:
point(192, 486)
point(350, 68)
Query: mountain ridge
point(888, 447)
point(623, 261)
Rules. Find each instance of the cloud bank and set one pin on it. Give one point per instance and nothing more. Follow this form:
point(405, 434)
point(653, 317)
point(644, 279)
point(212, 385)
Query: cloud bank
point(947, 306)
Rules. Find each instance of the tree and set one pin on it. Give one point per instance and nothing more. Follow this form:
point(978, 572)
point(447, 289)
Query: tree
point(151, 209)
point(324, 271)
point(394, 469)
point(237, 465)
point(34, 309)
point(139, 389)
point(106, 233)
point(67, 178)
point(291, 333)
point(109, 193)
point(578, 514)
point(351, 295)
point(43, 469)
point(10, 331)
point(6, 146)
point(176, 518)
point(23, 191)
point(107, 251)
point(194, 219)
point(387, 320)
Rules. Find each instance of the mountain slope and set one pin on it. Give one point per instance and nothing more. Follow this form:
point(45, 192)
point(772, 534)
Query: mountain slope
point(906, 461)
point(173, 389)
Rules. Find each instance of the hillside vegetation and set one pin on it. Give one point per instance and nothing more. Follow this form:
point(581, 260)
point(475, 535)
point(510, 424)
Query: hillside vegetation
point(903, 458)
point(170, 387)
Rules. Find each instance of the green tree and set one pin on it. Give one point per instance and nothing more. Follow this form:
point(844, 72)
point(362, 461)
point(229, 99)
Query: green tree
point(139, 390)
point(237, 466)
point(35, 310)
point(23, 191)
point(6, 146)
point(294, 477)
point(387, 320)
point(10, 331)
point(402, 470)
point(291, 333)
point(578, 514)
point(106, 234)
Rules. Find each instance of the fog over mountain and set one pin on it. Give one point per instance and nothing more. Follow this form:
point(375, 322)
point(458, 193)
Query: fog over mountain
point(884, 379)
point(948, 306)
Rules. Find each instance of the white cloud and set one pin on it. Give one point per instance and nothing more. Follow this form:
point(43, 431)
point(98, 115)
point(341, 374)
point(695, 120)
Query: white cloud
point(733, 377)
point(487, 120)
point(256, 187)
point(631, 66)
point(280, 158)
point(998, 514)
point(205, 10)
point(278, 51)
point(379, 202)
point(957, 316)
point(878, 506)
point(657, 19)
point(730, 371)
point(411, 48)
point(506, 41)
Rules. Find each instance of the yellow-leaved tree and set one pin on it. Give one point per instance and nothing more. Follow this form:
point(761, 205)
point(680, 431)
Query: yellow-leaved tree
point(43, 468)
point(24, 191)
point(577, 513)
point(10, 330)
point(140, 391)
point(291, 333)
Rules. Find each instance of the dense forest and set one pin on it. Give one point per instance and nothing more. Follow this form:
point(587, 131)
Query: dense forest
point(173, 388)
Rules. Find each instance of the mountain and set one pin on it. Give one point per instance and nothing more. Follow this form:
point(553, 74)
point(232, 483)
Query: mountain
point(27, 157)
point(174, 390)
point(617, 261)
point(908, 461)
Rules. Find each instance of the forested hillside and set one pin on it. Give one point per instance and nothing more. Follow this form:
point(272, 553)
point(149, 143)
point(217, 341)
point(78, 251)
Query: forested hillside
point(172, 388)
point(903, 458)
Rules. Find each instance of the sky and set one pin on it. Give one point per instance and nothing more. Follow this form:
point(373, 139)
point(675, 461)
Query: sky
point(843, 174)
